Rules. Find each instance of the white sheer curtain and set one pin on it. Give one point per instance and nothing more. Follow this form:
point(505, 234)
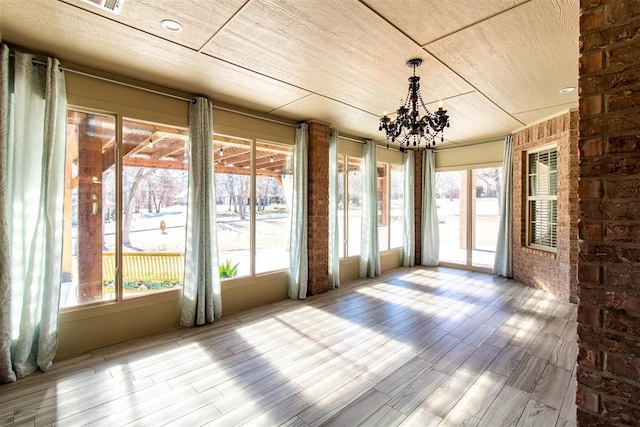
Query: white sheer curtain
point(369, 263)
point(409, 233)
point(33, 115)
point(202, 300)
point(287, 188)
point(334, 239)
point(298, 265)
point(504, 246)
point(430, 234)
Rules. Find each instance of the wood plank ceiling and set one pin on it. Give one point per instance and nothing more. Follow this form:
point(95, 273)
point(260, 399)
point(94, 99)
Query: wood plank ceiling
point(497, 64)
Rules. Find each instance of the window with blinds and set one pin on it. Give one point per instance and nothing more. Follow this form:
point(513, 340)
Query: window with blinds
point(542, 198)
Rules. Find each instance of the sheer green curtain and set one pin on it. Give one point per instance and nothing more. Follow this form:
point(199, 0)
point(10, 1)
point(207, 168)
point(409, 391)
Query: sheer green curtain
point(298, 266)
point(430, 233)
point(369, 262)
point(409, 231)
point(504, 245)
point(334, 239)
point(202, 300)
point(32, 150)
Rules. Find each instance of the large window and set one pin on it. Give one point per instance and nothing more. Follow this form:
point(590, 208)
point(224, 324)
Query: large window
point(254, 184)
point(390, 205)
point(390, 187)
point(542, 198)
point(125, 208)
point(354, 205)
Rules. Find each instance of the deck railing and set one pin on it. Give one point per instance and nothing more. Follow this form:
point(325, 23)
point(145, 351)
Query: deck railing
point(143, 266)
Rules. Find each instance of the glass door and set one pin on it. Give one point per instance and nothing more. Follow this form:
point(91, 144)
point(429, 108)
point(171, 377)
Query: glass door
point(468, 213)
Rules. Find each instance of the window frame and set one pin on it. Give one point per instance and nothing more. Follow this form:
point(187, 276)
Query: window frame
point(119, 122)
point(344, 156)
point(253, 177)
point(528, 198)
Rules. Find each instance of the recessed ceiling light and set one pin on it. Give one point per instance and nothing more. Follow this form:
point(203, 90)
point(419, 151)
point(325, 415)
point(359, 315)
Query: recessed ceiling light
point(567, 89)
point(171, 25)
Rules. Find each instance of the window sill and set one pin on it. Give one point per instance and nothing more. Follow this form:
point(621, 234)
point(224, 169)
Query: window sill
point(547, 253)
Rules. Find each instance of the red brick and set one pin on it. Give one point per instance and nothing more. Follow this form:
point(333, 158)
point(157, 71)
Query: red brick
point(619, 412)
point(590, 188)
point(624, 188)
point(590, 85)
point(591, 359)
point(592, 20)
point(608, 341)
point(623, 144)
point(592, 420)
point(624, 366)
point(590, 106)
point(585, 5)
point(591, 147)
point(318, 208)
point(628, 233)
point(618, 57)
point(610, 210)
point(610, 124)
point(597, 166)
point(606, 384)
point(593, 252)
point(622, 321)
point(610, 299)
point(617, 297)
point(554, 272)
point(589, 315)
point(590, 231)
point(623, 100)
point(622, 10)
point(588, 400)
point(622, 276)
point(589, 273)
point(593, 62)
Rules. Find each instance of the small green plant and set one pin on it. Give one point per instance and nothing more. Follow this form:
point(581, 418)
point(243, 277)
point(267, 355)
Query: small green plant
point(227, 270)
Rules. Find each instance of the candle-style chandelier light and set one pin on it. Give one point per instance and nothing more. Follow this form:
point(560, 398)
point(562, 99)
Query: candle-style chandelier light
point(410, 129)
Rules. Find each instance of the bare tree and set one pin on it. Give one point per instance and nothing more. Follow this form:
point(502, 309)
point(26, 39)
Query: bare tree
point(130, 197)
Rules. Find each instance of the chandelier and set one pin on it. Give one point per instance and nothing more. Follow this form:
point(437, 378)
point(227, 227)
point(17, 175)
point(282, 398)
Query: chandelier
point(410, 129)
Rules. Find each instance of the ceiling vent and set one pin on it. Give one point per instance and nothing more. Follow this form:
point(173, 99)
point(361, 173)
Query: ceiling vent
point(112, 6)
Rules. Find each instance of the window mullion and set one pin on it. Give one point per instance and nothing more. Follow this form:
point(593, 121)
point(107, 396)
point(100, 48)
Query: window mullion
point(252, 208)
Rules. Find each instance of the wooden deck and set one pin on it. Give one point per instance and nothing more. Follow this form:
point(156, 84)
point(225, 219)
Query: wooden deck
point(414, 347)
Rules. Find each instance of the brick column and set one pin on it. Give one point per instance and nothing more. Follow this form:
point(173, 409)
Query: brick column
point(417, 194)
point(318, 208)
point(609, 229)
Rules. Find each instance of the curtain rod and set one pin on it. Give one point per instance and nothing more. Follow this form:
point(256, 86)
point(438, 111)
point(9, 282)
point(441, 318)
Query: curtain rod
point(255, 116)
point(93, 76)
point(181, 98)
point(362, 141)
point(466, 146)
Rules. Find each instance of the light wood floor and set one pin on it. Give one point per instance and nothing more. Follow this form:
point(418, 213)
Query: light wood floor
point(414, 347)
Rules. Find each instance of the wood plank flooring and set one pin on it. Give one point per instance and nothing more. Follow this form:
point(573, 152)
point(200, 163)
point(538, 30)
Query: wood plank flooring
point(414, 347)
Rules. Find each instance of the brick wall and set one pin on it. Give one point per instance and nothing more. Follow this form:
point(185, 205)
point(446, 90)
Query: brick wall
point(417, 195)
point(553, 272)
point(318, 208)
point(609, 260)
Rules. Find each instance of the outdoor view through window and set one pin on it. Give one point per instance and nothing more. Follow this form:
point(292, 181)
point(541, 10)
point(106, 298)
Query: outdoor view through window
point(149, 173)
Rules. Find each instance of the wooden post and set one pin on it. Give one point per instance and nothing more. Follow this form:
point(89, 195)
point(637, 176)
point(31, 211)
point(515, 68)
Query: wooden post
point(89, 212)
